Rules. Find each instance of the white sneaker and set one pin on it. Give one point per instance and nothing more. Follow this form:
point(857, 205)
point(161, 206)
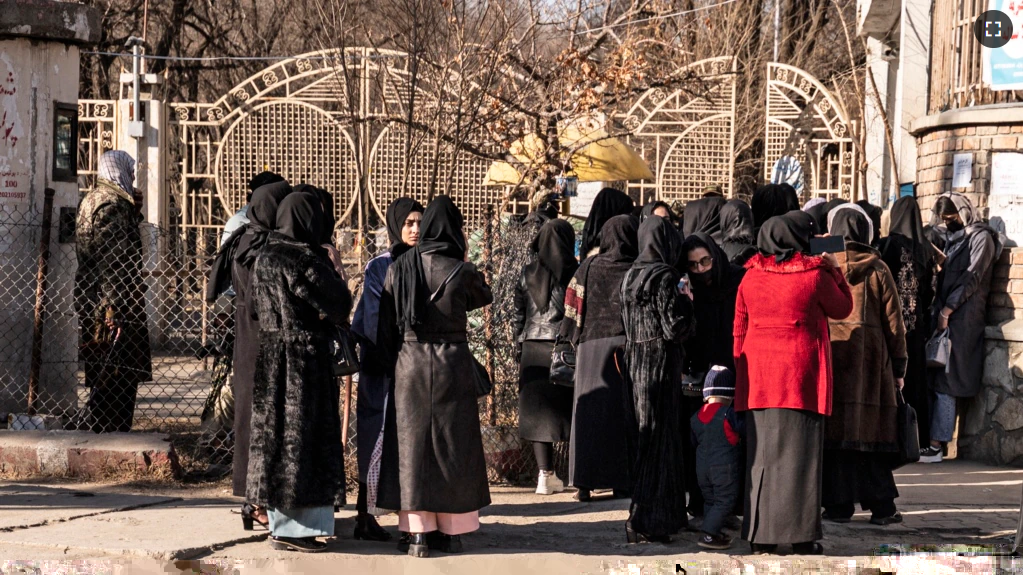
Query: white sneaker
point(931, 455)
point(548, 483)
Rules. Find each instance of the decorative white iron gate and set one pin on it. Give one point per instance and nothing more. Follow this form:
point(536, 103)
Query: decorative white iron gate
point(687, 135)
point(324, 118)
point(805, 121)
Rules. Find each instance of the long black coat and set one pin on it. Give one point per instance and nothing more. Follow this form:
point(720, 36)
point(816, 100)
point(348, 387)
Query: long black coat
point(295, 454)
point(963, 285)
point(437, 448)
point(246, 348)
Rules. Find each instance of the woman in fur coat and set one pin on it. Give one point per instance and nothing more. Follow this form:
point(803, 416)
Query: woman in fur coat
point(296, 460)
point(441, 479)
point(870, 346)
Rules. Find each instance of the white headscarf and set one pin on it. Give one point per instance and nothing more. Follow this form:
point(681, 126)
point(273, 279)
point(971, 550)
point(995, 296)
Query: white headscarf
point(851, 206)
point(812, 202)
point(968, 213)
point(118, 167)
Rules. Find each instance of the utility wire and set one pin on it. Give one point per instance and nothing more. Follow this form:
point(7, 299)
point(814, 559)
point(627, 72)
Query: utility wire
point(237, 58)
point(661, 17)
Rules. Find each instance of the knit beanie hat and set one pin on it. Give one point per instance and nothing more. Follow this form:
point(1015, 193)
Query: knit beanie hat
point(720, 382)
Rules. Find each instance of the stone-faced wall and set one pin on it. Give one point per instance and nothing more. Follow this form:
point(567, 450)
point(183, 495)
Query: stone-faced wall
point(992, 424)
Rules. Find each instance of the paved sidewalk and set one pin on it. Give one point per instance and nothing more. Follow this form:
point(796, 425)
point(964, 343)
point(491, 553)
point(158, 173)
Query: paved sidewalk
point(955, 503)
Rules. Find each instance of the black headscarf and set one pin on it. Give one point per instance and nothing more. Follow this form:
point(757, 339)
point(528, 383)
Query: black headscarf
point(737, 221)
point(875, 213)
point(608, 203)
point(327, 205)
point(852, 226)
point(820, 214)
point(264, 201)
point(618, 239)
point(398, 211)
point(783, 236)
point(440, 234)
point(703, 216)
point(905, 222)
point(262, 219)
point(648, 209)
point(301, 218)
point(661, 248)
point(719, 262)
point(261, 179)
point(555, 246)
point(773, 200)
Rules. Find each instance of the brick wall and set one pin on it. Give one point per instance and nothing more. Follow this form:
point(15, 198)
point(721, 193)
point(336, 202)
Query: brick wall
point(1006, 299)
point(935, 161)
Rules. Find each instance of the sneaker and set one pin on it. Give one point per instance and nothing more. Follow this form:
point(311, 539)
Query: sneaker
point(301, 544)
point(931, 454)
point(548, 483)
point(715, 541)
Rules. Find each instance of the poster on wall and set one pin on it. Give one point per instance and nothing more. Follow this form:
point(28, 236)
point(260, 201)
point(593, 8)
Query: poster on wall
point(963, 165)
point(1005, 202)
point(1003, 68)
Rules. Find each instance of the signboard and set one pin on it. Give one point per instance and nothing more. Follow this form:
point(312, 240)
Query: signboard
point(1005, 202)
point(579, 205)
point(1003, 68)
point(962, 166)
point(15, 104)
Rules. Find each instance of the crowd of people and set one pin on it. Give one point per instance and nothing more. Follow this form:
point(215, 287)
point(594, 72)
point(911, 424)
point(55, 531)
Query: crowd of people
point(723, 372)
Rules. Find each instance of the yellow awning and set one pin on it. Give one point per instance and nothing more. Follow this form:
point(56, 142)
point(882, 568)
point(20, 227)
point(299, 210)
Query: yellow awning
point(598, 157)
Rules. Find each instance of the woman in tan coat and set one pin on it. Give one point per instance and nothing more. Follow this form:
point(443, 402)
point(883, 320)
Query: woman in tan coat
point(869, 351)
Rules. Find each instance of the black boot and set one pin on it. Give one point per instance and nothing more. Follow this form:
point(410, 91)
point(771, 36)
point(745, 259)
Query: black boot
point(417, 545)
point(444, 543)
point(367, 528)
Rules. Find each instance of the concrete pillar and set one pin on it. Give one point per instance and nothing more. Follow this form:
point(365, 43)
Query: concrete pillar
point(39, 69)
point(883, 68)
point(151, 181)
point(912, 83)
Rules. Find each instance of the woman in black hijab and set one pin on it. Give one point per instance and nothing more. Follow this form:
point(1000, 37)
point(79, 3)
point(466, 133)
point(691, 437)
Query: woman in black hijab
point(875, 214)
point(784, 379)
point(714, 282)
point(772, 200)
point(251, 239)
point(297, 468)
point(656, 208)
point(658, 317)
point(608, 203)
point(545, 410)
point(439, 482)
point(376, 381)
point(703, 216)
point(913, 262)
point(603, 435)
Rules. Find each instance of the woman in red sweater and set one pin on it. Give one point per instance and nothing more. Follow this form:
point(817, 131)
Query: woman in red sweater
point(784, 380)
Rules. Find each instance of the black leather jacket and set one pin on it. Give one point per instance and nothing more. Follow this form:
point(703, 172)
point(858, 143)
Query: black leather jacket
point(531, 324)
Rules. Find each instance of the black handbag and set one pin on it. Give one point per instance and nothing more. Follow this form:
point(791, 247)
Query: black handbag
point(906, 431)
point(483, 379)
point(343, 348)
point(563, 365)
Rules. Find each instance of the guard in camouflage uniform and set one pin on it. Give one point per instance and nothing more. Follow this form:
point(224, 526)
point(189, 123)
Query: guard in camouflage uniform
point(110, 296)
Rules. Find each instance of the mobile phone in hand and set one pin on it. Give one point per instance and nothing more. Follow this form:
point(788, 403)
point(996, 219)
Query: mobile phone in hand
point(827, 245)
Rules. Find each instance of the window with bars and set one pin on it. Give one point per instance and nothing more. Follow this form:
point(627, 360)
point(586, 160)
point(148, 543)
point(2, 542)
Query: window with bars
point(956, 70)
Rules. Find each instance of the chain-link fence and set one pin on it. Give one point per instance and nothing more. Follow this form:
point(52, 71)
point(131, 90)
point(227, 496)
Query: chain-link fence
point(103, 327)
